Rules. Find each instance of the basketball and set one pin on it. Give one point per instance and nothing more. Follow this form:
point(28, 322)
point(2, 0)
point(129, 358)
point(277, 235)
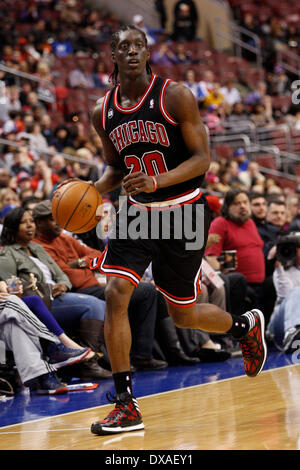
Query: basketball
point(74, 206)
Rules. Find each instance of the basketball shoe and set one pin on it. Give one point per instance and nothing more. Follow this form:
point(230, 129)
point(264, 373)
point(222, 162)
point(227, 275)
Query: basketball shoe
point(125, 417)
point(253, 344)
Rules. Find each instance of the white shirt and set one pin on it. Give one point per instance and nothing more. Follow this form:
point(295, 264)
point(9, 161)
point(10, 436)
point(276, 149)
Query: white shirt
point(231, 96)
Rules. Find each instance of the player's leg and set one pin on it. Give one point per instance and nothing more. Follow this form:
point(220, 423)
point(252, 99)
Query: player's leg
point(248, 328)
point(126, 415)
point(117, 330)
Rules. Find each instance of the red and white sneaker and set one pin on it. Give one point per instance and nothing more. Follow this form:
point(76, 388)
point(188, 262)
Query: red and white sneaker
point(253, 344)
point(125, 417)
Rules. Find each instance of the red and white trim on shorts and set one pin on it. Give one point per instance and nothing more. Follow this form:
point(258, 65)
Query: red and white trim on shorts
point(170, 203)
point(184, 301)
point(137, 106)
point(112, 270)
point(162, 105)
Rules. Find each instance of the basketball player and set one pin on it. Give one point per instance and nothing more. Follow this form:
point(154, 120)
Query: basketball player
point(156, 146)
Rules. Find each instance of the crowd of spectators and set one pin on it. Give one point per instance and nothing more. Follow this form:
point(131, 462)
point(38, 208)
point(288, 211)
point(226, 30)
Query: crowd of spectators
point(41, 146)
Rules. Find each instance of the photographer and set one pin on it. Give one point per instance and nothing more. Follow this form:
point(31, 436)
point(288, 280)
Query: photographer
point(284, 325)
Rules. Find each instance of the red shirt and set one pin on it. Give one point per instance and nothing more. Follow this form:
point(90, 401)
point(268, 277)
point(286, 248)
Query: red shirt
point(65, 248)
point(246, 241)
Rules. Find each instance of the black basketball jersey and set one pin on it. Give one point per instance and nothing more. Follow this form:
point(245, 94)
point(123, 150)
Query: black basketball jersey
point(147, 138)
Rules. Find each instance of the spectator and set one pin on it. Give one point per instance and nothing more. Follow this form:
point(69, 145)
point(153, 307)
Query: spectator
point(84, 171)
point(295, 211)
point(80, 78)
point(82, 314)
point(238, 232)
point(242, 159)
point(5, 178)
point(138, 21)
point(30, 202)
point(163, 55)
point(276, 214)
point(46, 127)
point(23, 181)
point(207, 82)
point(212, 119)
point(43, 179)
point(61, 138)
point(215, 97)
point(191, 82)
point(231, 94)
point(238, 115)
point(260, 116)
point(8, 197)
point(62, 47)
point(281, 83)
point(251, 176)
point(284, 323)
point(100, 76)
point(185, 21)
point(23, 337)
point(38, 143)
point(183, 56)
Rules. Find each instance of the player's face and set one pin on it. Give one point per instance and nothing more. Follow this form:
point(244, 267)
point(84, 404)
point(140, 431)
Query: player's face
point(131, 53)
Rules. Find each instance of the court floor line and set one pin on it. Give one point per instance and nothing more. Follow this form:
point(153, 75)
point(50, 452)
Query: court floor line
point(139, 398)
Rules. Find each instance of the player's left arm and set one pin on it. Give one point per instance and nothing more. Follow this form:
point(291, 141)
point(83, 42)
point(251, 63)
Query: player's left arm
point(183, 108)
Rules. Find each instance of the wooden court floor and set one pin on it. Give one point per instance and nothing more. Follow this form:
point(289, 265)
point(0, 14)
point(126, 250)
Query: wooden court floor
point(239, 413)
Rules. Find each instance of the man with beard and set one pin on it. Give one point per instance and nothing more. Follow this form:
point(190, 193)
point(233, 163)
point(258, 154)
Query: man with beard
point(238, 232)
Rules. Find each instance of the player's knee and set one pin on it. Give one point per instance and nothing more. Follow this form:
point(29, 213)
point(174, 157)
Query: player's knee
point(117, 293)
point(179, 317)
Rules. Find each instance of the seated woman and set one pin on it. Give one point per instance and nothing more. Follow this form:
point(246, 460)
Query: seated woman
point(37, 352)
point(22, 258)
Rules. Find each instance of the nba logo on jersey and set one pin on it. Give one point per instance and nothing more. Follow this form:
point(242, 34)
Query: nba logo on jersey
point(151, 106)
point(110, 113)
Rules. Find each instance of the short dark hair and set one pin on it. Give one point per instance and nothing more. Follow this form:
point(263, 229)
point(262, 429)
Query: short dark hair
point(11, 225)
point(113, 44)
point(29, 199)
point(256, 196)
point(228, 200)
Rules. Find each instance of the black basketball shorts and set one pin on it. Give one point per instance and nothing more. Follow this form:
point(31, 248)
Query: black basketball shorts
point(172, 237)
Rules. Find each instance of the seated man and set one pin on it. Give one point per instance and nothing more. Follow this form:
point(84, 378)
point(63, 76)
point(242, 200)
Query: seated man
point(238, 232)
point(284, 324)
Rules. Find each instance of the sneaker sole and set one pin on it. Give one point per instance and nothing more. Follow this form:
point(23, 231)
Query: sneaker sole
point(71, 360)
point(262, 324)
point(57, 391)
point(104, 431)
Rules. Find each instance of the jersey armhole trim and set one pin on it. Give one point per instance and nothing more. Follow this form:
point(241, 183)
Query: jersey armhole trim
point(104, 109)
point(162, 104)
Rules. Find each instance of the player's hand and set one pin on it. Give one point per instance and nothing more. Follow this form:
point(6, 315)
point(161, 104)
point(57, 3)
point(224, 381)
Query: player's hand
point(137, 183)
point(68, 181)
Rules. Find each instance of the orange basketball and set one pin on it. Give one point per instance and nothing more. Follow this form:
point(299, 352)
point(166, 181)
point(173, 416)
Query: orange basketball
point(74, 206)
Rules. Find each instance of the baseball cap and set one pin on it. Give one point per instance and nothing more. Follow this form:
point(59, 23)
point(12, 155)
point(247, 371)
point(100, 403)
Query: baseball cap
point(238, 152)
point(42, 209)
point(23, 175)
point(214, 203)
point(137, 19)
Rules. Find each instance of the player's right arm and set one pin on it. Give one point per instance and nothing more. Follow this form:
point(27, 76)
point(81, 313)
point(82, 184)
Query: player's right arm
point(114, 173)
